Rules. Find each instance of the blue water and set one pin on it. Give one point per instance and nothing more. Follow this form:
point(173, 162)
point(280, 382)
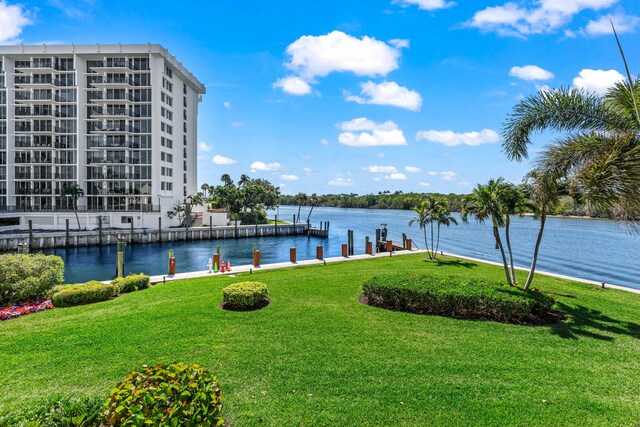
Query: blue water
point(590, 249)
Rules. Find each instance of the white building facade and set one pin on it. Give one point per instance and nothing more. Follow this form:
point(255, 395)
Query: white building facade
point(120, 121)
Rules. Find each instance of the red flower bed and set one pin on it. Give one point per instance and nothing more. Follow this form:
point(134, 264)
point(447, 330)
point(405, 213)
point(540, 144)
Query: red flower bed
point(20, 310)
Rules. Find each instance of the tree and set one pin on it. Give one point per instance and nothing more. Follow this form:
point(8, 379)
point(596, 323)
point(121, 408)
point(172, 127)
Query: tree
point(423, 218)
point(485, 203)
point(313, 202)
point(301, 198)
point(600, 152)
point(513, 202)
point(544, 191)
point(441, 216)
point(75, 192)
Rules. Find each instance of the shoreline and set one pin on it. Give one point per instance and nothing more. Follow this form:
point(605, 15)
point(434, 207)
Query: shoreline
point(250, 269)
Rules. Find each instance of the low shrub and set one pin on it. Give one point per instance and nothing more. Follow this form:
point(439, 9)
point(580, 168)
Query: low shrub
point(167, 395)
point(87, 293)
point(457, 297)
point(28, 277)
point(133, 282)
point(57, 411)
point(252, 217)
point(244, 294)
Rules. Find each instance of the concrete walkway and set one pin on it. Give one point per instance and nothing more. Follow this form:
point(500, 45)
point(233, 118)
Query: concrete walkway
point(251, 268)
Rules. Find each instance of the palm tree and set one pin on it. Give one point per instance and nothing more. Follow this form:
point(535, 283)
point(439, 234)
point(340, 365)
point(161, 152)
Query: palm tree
point(441, 216)
point(423, 218)
point(600, 154)
point(75, 192)
point(513, 202)
point(486, 202)
point(302, 199)
point(544, 192)
point(313, 202)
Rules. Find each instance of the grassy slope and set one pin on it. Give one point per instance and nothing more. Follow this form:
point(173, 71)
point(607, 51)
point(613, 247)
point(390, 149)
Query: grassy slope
point(316, 356)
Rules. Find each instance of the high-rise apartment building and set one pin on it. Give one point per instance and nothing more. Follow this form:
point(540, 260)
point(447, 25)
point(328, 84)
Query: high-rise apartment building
point(120, 121)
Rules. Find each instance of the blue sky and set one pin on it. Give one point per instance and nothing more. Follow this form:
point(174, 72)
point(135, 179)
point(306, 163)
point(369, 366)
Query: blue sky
point(356, 96)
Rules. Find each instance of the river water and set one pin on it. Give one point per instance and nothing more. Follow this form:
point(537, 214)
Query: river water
point(590, 249)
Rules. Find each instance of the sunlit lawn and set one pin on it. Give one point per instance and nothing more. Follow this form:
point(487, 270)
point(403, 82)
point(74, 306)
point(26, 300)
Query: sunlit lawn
point(316, 356)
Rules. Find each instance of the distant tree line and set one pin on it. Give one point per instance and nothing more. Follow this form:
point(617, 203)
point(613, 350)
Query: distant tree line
point(382, 200)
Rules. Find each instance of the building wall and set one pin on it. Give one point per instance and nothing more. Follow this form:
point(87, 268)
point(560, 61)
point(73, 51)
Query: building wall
point(125, 144)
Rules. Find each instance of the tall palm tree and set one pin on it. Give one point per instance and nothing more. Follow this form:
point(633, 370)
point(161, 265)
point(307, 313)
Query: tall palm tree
point(314, 201)
point(423, 218)
point(75, 192)
point(544, 192)
point(514, 202)
point(441, 216)
point(302, 199)
point(600, 154)
point(485, 203)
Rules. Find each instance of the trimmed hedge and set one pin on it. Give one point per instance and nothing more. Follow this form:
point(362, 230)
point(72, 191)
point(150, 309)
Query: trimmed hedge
point(245, 294)
point(131, 283)
point(166, 395)
point(87, 293)
point(457, 297)
point(28, 277)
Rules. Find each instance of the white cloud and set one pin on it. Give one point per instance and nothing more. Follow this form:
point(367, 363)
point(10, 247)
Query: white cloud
point(381, 155)
point(445, 175)
point(307, 170)
point(13, 19)
point(265, 167)
point(396, 176)
point(426, 4)
point(381, 169)
point(227, 105)
point(222, 160)
point(400, 43)
point(448, 175)
point(425, 184)
point(324, 141)
point(289, 177)
point(341, 182)
point(623, 23)
point(388, 93)
point(293, 85)
point(377, 178)
point(598, 81)
point(546, 16)
point(237, 124)
point(451, 138)
point(203, 146)
point(412, 169)
point(362, 132)
point(318, 56)
point(531, 73)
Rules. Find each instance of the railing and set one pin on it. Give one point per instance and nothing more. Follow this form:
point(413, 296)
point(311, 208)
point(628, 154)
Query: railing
point(144, 208)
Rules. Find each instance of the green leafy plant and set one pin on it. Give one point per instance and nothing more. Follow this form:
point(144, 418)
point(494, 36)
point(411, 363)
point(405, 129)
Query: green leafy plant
point(459, 297)
point(167, 395)
point(131, 283)
point(245, 294)
point(28, 278)
point(57, 411)
point(87, 293)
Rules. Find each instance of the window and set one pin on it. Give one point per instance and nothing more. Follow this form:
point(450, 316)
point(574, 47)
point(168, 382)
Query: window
point(167, 85)
point(166, 113)
point(184, 88)
point(166, 99)
point(168, 72)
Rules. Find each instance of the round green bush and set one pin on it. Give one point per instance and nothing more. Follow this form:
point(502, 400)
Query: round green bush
point(244, 294)
point(169, 395)
point(131, 283)
point(86, 293)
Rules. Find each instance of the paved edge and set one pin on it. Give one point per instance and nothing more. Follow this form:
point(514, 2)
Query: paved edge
point(251, 268)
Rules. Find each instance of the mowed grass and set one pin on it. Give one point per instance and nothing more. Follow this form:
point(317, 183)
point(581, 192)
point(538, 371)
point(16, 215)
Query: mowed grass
point(316, 356)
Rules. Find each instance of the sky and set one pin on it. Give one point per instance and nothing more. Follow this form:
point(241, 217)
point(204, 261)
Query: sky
point(357, 96)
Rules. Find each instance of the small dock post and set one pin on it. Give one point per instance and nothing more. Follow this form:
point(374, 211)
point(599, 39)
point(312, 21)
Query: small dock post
point(256, 258)
point(30, 234)
point(160, 229)
point(120, 259)
point(292, 255)
point(319, 252)
point(408, 244)
point(368, 246)
point(100, 230)
point(345, 251)
point(66, 239)
point(210, 227)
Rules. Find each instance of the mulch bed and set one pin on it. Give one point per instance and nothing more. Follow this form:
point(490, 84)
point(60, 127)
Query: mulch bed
point(262, 304)
point(551, 318)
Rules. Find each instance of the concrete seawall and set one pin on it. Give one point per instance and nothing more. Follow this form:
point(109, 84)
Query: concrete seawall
point(59, 239)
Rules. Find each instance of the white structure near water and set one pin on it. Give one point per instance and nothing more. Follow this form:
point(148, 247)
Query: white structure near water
point(118, 120)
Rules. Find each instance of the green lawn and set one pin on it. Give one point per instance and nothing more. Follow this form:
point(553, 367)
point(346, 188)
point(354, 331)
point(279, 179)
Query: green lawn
point(316, 356)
